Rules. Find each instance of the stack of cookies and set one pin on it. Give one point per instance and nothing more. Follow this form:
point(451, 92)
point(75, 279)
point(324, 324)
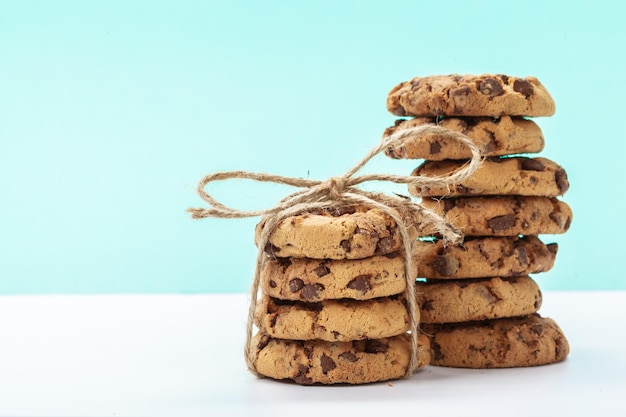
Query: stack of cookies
point(478, 303)
point(332, 306)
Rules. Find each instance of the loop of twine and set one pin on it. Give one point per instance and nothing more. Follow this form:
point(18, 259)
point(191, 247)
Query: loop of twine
point(338, 191)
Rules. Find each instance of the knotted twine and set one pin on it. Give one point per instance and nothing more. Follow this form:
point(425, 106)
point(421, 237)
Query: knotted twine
point(340, 191)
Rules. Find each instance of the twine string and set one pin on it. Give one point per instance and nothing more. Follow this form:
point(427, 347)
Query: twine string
point(339, 191)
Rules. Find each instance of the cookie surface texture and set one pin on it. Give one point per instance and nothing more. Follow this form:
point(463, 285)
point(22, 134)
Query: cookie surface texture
point(477, 299)
point(498, 176)
point(502, 343)
point(321, 362)
point(333, 320)
point(315, 280)
point(494, 137)
point(341, 233)
point(470, 95)
point(504, 215)
point(484, 257)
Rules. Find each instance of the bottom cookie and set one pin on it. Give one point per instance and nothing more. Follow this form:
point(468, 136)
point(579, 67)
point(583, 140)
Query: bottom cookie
point(502, 343)
point(357, 362)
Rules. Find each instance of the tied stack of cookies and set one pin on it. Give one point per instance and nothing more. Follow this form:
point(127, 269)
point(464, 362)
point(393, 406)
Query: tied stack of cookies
point(478, 303)
point(332, 307)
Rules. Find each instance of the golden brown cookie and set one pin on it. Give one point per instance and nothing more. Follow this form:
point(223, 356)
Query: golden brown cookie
point(502, 343)
point(484, 257)
point(325, 279)
point(504, 215)
point(340, 233)
point(493, 136)
point(333, 320)
point(470, 95)
point(452, 301)
point(317, 361)
point(497, 176)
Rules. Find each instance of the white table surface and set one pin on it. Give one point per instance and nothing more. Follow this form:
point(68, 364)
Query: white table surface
point(181, 355)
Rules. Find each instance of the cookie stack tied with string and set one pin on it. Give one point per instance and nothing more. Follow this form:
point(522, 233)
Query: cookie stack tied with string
point(333, 305)
point(478, 303)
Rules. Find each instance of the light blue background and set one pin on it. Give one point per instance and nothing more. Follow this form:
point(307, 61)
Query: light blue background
point(111, 111)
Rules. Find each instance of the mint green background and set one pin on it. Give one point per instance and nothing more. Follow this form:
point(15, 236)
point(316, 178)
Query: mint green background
point(111, 111)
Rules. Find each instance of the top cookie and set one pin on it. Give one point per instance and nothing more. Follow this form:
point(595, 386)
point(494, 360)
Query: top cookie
point(341, 233)
point(470, 95)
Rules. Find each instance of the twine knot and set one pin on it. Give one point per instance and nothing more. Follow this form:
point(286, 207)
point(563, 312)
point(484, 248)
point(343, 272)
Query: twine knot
point(336, 186)
point(341, 190)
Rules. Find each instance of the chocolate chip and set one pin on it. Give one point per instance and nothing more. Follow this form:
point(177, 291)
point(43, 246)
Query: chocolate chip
point(273, 284)
point(341, 210)
point(562, 183)
point(448, 204)
point(536, 329)
point(348, 356)
point(321, 270)
point(491, 87)
point(522, 255)
point(567, 224)
point(327, 364)
point(460, 91)
point(500, 223)
point(524, 87)
point(384, 245)
point(435, 147)
point(490, 147)
point(360, 283)
point(301, 377)
point(487, 294)
point(296, 284)
point(530, 164)
point(538, 300)
point(345, 244)
point(375, 346)
point(311, 291)
point(264, 341)
point(436, 350)
point(504, 78)
point(446, 266)
point(399, 111)
point(553, 248)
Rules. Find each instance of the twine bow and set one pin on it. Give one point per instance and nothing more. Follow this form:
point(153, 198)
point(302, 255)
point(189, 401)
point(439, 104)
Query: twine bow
point(340, 191)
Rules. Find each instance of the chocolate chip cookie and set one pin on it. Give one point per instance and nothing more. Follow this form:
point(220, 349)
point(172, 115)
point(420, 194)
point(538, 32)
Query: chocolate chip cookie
point(313, 280)
point(356, 362)
point(497, 176)
point(484, 257)
point(470, 95)
point(452, 301)
point(494, 137)
point(504, 215)
point(333, 320)
point(340, 233)
point(502, 343)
